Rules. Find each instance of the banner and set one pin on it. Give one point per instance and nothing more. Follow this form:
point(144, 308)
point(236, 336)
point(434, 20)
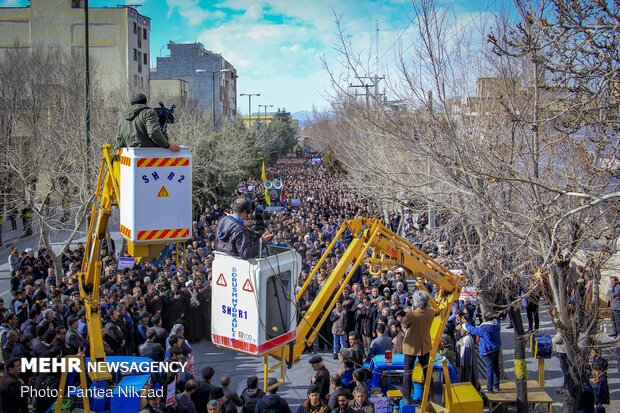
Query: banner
point(295, 202)
point(469, 292)
point(382, 404)
point(126, 262)
point(170, 393)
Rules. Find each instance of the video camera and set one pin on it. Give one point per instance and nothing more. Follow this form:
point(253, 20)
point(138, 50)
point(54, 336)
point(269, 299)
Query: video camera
point(165, 116)
point(261, 218)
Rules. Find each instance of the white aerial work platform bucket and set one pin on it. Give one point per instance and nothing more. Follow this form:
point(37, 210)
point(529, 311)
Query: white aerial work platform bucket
point(155, 195)
point(253, 302)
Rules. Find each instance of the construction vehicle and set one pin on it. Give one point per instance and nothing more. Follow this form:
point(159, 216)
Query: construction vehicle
point(153, 186)
point(368, 236)
point(155, 196)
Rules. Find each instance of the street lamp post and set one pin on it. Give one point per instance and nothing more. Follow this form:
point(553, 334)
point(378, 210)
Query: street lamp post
point(86, 93)
point(249, 95)
point(213, 72)
point(265, 106)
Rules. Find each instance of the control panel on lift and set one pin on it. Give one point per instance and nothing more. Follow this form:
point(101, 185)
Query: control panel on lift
point(253, 301)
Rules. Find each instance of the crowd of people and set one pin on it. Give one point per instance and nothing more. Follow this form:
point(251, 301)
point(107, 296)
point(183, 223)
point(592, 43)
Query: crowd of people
point(158, 309)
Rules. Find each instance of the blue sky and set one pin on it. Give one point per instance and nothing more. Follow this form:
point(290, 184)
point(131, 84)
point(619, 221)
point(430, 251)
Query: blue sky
point(276, 45)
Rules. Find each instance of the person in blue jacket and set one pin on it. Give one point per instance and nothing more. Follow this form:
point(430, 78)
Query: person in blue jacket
point(490, 345)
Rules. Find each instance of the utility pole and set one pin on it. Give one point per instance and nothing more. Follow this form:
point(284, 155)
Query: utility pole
point(375, 80)
point(377, 59)
point(431, 214)
point(86, 95)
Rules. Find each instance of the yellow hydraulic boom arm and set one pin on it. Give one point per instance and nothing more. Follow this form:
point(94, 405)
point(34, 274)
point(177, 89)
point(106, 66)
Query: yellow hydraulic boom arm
point(371, 234)
point(107, 194)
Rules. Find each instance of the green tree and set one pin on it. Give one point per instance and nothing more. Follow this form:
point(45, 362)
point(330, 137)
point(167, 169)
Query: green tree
point(275, 138)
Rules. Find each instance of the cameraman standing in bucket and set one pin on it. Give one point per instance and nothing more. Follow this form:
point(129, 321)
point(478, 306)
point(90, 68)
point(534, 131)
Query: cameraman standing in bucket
point(139, 127)
point(233, 235)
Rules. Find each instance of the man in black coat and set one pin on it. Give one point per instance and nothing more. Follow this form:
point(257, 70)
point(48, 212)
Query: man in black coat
point(150, 348)
point(321, 377)
point(272, 402)
point(339, 390)
point(356, 348)
point(234, 238)
point(175, 304)
point(251, 395)
point(202, 395)
point(229, 393)
point(113, 334)
point(11, 399)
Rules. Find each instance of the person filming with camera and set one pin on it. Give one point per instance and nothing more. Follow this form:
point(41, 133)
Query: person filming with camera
point(139, 127)
point(233, 235)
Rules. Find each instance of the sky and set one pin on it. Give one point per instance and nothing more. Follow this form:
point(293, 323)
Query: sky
point(276, 46)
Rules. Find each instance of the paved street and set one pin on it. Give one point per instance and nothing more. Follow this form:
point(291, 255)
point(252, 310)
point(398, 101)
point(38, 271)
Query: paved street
point(297, 379)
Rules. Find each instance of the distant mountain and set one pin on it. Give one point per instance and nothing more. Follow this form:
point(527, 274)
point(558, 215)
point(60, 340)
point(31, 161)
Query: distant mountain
point(302, 116)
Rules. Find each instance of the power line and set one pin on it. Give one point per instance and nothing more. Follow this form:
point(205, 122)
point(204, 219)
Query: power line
point(395, 41)
point(447, 40)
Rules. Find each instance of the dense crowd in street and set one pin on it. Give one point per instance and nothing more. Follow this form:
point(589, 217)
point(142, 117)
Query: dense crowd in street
point(158, 310)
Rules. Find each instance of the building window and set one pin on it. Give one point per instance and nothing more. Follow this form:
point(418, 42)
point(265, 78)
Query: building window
point(144, 33)
point(141, 81)
point(135, 55)
point(135, 28)
point(139, 37)
point(135, 80)
point(146, 61)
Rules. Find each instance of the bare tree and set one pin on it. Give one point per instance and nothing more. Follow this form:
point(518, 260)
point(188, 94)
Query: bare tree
point(45, 160)
point(499, 149)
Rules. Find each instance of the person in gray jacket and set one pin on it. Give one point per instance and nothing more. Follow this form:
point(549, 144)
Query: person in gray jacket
point(74, 339)
point(340, 335)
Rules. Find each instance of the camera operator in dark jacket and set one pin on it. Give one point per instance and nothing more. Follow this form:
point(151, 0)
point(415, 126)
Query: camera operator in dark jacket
point(234, 237)
point(139, 127)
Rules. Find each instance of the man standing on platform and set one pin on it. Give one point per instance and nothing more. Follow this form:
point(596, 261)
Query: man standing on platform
point(417, 341)
point(139, 127)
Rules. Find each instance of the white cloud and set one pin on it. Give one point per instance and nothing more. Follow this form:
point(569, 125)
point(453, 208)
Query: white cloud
point(283, 60)
point(254, 12)
point(190, 10)
point(294, 48)
point(265, 32)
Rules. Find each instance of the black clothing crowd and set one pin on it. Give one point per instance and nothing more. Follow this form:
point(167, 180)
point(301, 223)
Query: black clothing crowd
point(158, 309)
